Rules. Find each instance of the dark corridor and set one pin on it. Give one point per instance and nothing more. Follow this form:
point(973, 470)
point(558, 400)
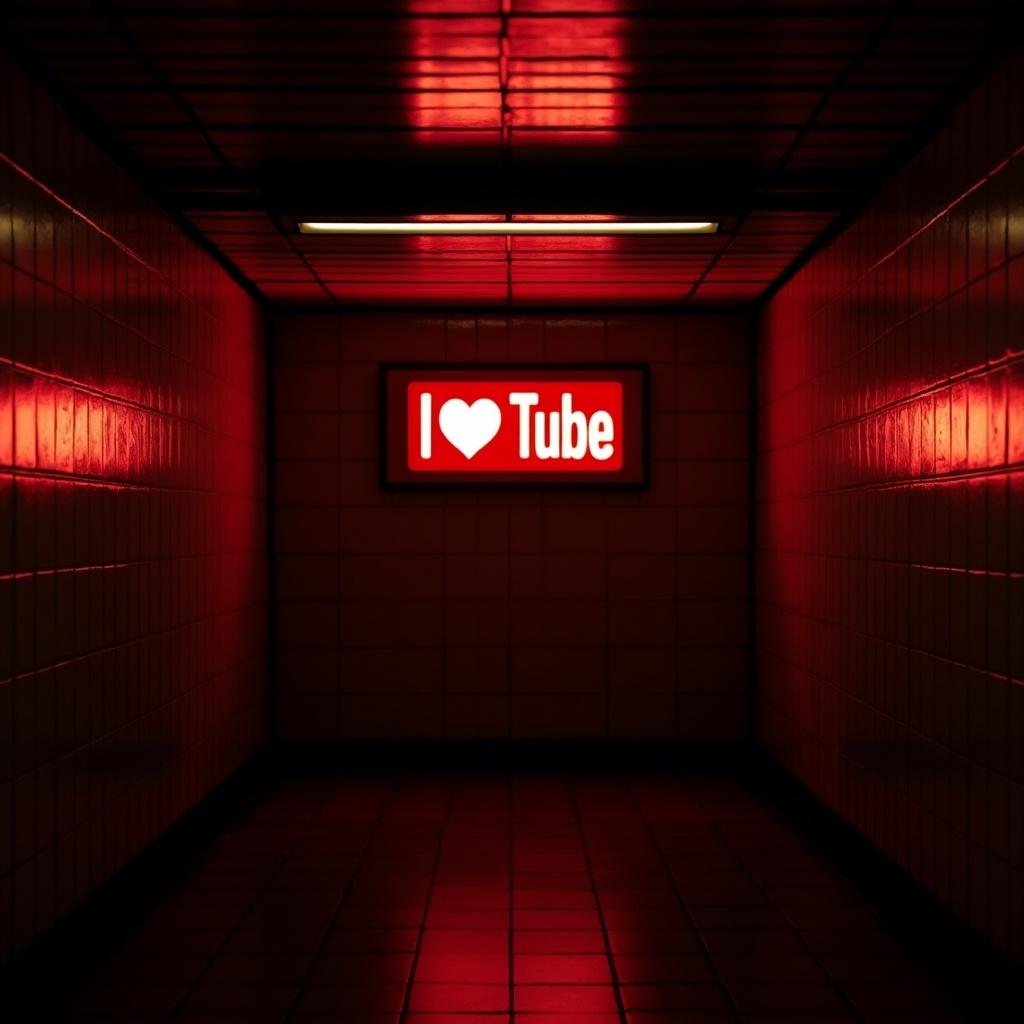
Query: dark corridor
point(511, 511)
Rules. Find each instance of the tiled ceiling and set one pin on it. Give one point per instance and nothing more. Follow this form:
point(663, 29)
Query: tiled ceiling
point(772, 118)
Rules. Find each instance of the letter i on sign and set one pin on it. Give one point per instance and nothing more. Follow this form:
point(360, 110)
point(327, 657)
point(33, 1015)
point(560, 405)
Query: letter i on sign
point(425, 430)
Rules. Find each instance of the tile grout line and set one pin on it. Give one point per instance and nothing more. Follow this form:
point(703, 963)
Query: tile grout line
point(616, 984)
point(511, 849)
point(178, 1005)
point(850, 1005)
point(705, 952)
point(403, 1014)
point(286, 1014)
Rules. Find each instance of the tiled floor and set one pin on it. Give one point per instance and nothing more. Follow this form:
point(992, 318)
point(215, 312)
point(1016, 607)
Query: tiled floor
point(535, 899)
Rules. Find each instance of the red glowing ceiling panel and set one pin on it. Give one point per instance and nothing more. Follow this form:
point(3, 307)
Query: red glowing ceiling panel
point(771, 120)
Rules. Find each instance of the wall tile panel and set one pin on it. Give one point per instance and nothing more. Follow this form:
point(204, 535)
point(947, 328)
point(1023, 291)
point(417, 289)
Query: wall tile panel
point(890, 476)
point(132, 518)
point(522, 614)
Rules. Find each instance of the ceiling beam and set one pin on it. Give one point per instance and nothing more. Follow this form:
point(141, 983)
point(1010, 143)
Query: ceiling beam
point(570, 187)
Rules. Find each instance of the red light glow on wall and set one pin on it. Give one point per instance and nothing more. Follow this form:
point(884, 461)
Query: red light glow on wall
point(132, 517)
point(891, 492)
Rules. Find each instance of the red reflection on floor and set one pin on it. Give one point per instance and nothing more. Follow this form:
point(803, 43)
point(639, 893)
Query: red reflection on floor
point(543, 899)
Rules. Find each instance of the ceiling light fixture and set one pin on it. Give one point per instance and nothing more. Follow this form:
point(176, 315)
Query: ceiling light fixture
point(509, 227)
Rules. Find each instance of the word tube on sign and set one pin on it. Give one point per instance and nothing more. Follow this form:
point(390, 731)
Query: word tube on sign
point(514, 425)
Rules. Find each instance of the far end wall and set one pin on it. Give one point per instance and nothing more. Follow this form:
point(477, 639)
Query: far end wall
point(525, 614)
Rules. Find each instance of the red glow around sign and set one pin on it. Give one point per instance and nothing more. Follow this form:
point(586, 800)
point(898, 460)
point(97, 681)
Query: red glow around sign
point(565, 425)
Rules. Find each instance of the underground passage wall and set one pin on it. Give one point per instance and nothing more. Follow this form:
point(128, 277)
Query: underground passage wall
point(886, 585)
point(526, 613)
point(132, 518)
point(890, 499)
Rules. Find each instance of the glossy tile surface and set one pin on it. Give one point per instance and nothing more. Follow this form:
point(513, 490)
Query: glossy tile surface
point(890, 514)
point(132, 518)
point(540, 899)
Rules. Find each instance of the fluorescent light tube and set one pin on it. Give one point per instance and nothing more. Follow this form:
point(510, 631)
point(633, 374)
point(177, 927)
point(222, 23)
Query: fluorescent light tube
point(509, 227)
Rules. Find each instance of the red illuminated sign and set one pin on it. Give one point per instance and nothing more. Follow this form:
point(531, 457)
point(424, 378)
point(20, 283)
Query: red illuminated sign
point(526, 424)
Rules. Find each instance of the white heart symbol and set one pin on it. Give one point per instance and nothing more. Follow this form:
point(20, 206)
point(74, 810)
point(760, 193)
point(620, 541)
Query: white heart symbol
point(469, 427)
